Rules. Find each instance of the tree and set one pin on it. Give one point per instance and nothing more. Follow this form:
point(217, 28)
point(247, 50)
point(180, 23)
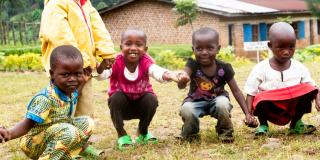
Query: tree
point(101, 5)
point(314, 7)
point(188, 11)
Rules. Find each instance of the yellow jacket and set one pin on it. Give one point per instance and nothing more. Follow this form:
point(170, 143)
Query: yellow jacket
point(66, 22)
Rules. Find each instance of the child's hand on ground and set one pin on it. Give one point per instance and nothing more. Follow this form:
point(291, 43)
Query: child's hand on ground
point(4, 135)
point(251, 121)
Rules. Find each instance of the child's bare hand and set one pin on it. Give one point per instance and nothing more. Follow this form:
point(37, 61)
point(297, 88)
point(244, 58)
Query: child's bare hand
point(183, 77)
point(87, 71)
point(251, 121)
point(105, 64)
point(4, 135)
point(177, 76)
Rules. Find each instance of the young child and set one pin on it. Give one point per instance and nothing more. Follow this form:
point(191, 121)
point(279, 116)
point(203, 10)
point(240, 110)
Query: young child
point(131, 94)
point(207, 95)
point(280, 89)
point(49, 131)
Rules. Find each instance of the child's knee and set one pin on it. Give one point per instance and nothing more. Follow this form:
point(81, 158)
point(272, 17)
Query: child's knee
point(151, 100)
point(222, 104)
point(84, 123)
point(117, 99)
point(66, 134)
point(187, 112)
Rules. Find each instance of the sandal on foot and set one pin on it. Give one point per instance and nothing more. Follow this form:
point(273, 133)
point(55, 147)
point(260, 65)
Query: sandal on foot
point(147, 138)
point(90, 153)
point(301, 128)
point(262, 130)
point(124, 142)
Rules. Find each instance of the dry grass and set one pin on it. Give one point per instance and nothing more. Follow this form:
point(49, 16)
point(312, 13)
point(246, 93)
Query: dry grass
point(16, 89)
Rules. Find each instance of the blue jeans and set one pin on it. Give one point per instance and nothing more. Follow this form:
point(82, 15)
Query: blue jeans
point(218, 108)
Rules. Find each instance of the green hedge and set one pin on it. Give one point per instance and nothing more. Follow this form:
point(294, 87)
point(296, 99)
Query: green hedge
point(308, 53)
point(25, 62)
point(20, 50)
point(168, 56)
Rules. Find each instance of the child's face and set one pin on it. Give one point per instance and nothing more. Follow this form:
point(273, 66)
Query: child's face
point(283, 47)
point(133, 46)
point(67, 75)
point(205, 48)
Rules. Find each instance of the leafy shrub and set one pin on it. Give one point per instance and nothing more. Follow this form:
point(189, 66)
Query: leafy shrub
point(29, 61)
point(308, 53)
point(2, 57)
point(227, 55)
point(169, 59)
point(182, 51)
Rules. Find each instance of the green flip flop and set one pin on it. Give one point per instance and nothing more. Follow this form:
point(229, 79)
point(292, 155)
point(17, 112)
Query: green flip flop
point(262, 130)
point(147, 138)
point(124, 142)
point(301, 128)
point(90, 153)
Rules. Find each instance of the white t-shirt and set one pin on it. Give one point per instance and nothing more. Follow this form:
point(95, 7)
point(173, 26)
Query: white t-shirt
point(263, 77)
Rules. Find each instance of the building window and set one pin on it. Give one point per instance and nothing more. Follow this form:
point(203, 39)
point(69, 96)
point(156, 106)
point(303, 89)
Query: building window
point(230, 31)
point(299, 29)
point(255, 32)
point(318, 26)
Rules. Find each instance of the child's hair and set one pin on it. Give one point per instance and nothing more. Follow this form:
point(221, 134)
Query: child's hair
point(280, 28)
point(205, 30)
point(136, 30)
point(64, 52)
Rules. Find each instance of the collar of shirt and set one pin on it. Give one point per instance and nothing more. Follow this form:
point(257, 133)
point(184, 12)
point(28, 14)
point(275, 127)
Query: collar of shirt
point(64, 97)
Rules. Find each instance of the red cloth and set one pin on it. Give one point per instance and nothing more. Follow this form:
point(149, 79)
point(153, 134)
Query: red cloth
point(82, 2)
point(286, 100)
point(133, 89)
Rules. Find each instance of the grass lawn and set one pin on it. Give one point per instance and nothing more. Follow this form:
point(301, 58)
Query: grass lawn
point(16, 89)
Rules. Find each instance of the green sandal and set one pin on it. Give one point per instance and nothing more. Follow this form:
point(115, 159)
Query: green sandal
point(262, 130)
point(144, 139)
point(124, 142)
point(90, 153)
point(301, 128)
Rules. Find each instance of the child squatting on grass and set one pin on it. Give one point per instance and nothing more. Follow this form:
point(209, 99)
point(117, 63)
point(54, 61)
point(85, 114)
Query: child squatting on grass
point(131, 94)
point(280, 89)
point(207, 95)
point(49, 129)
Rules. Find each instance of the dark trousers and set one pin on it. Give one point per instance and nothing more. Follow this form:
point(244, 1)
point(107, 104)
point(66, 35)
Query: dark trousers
point(123, 108)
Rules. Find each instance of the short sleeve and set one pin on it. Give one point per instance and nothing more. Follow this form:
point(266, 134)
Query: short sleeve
point(229, 72)
point(254, 80)
point(191, 63)
point(306, 76)
point(38, 109)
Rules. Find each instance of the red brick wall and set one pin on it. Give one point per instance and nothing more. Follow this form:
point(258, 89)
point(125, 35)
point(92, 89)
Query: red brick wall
point(158, 21)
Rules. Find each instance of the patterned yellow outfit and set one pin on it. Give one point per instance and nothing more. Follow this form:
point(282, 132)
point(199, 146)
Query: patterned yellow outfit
point(56, 134)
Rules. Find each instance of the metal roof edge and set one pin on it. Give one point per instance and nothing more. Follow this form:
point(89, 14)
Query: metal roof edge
point(226, 14)
point(106, 9)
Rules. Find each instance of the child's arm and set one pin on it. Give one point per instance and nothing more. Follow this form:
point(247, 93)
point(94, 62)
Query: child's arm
point(104, 46)
point(250, 120)
point(20, 129)
point(161, 75)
